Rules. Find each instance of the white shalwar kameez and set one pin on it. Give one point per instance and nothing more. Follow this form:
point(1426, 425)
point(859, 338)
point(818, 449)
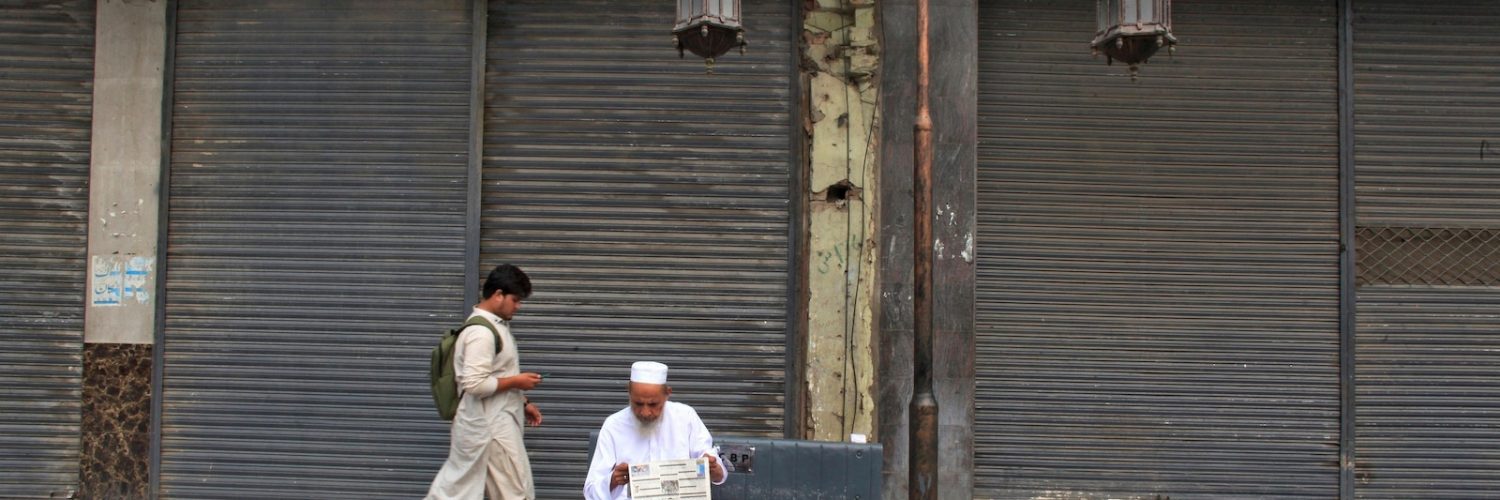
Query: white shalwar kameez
point(487, 453)
point(677, 434)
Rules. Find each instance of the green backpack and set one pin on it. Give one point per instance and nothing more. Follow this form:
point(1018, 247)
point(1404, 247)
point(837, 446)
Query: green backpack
point(445, 392)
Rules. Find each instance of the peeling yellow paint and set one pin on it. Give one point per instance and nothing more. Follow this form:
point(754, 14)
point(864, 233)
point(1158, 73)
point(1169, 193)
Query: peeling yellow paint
point(824, 21)
point(840, 63)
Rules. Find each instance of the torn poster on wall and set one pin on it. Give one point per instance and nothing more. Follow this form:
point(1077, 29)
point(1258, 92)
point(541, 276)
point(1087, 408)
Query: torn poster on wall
point(120, 279)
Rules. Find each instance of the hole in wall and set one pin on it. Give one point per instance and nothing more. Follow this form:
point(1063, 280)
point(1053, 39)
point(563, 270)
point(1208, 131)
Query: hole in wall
point(841, 192)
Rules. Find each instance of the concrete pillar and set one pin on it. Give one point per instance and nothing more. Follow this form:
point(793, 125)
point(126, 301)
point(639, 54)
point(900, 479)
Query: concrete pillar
point(124, 205)
point(840, 56)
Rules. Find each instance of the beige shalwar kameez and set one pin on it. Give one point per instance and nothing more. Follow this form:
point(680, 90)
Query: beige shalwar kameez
point(487, 454)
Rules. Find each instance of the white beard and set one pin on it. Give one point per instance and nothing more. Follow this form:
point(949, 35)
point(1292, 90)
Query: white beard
point(648, 428)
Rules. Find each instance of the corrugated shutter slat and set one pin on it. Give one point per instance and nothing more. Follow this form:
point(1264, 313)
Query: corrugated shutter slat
point(1427, 102)
point(315, 245)
point(46, 100)
point(649, 203)
point(1157, 278)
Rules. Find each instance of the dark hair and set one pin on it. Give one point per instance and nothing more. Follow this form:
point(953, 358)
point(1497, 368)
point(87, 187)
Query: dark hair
point(507, 279)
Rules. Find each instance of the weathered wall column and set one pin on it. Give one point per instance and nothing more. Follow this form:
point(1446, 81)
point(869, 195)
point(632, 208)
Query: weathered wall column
point(124, 198)
point(839, 62)
point(954, 39)
point(955, 169)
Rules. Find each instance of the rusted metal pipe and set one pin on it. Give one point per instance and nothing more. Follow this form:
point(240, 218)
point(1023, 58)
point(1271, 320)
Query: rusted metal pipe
point(923, 483)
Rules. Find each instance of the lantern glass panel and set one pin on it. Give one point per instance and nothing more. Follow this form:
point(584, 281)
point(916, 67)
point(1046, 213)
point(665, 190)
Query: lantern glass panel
point(687, 10)
point(1107, 10)
point(693, 13)
point(1101, 13)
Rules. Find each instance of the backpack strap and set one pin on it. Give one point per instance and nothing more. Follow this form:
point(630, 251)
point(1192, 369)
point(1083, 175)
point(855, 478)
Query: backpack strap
point(480, 321)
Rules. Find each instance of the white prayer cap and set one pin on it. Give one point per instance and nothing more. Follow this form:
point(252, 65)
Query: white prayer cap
point(648, 372)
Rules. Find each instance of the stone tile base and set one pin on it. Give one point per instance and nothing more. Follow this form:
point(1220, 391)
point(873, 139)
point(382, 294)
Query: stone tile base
point(116, 423)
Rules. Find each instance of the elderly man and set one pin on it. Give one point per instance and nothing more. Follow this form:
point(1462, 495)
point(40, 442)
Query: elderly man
point(651, 429)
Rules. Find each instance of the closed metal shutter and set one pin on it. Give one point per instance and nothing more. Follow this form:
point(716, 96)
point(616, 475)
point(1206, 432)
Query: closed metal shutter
point(1427, 159)
point(649, 203)
point(1427, 421)
point(1158, 261)
point(315, 245)
point(46, 97)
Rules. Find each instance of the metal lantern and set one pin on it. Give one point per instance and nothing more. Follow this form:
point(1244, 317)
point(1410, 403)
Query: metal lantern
point(1131, 31)
point(708, 28)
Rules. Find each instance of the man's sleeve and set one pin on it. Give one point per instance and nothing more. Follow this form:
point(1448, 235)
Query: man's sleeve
point(703, 443)
point(479, 356)
point(596, 486)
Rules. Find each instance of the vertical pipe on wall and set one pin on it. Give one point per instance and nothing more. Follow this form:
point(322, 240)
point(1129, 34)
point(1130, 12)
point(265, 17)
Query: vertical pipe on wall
point(924, 410)
point(1347, 295)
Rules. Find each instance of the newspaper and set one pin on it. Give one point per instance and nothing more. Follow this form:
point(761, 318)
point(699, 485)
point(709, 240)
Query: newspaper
point(670, 480)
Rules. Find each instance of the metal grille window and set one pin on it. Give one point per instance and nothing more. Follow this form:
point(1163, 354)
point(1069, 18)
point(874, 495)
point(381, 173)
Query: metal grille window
point(1427, 256)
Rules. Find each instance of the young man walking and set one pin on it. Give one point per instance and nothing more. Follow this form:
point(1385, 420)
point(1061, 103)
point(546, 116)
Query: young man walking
point(487, 454)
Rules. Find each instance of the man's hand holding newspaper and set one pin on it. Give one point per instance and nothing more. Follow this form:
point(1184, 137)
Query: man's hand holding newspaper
point(673, 479)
